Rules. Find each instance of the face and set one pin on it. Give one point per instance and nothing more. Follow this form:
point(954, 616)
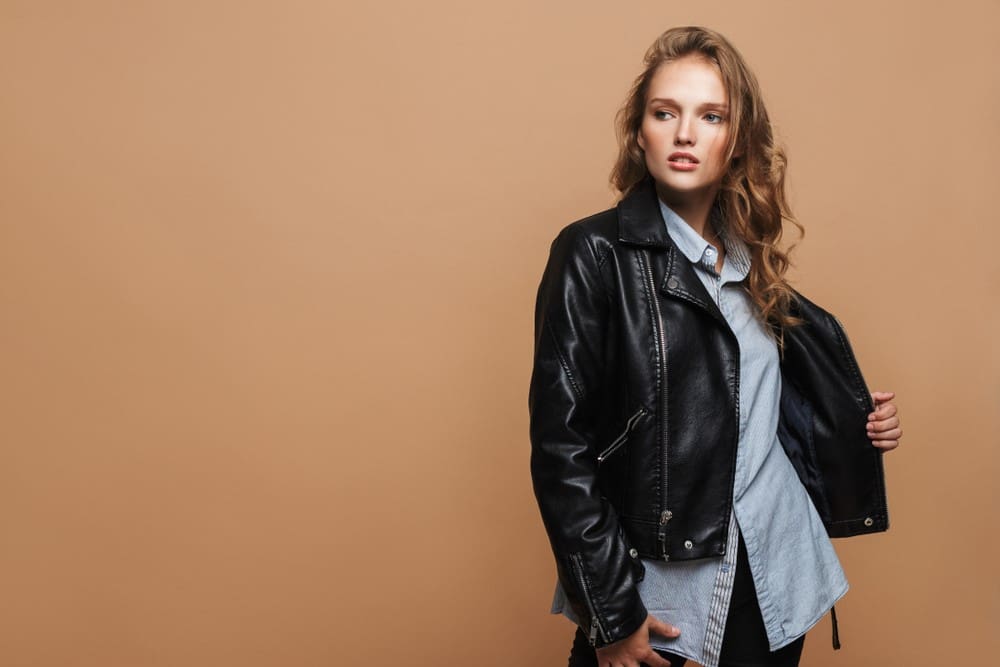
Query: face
point(684, 129)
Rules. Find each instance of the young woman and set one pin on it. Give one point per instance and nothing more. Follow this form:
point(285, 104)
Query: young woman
point(700, 430)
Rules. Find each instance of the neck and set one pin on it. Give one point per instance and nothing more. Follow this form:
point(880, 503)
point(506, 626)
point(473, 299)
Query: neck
point(694, 207)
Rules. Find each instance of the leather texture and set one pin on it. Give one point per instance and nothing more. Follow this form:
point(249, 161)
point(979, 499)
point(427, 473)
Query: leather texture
point(634, 413)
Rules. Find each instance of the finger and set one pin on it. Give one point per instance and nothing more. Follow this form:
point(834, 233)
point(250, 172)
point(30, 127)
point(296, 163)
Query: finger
point(882, 424)
point(886, 409)
point(663, 628)
point(882, 396)
point(883, 411)
point(886, 445)
point(891, 434)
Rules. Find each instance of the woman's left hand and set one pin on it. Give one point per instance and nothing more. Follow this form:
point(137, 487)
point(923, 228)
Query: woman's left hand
point(883, 424)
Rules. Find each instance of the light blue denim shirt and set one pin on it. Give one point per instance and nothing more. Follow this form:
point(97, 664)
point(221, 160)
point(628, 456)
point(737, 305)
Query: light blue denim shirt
point(795, 569)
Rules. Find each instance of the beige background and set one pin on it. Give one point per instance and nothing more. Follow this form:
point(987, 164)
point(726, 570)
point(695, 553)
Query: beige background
point(266, 280)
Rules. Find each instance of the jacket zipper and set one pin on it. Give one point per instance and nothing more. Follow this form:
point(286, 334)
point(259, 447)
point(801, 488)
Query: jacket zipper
point(621, 438)
point(595, 624)
point(666, 514)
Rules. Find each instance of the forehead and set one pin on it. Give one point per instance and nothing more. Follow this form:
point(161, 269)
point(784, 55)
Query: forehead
point(689, 79)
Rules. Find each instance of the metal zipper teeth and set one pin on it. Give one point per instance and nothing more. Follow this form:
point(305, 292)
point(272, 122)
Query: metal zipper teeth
point(621, 438)
point(666, 514)
point(865, 395)
point(595, 623)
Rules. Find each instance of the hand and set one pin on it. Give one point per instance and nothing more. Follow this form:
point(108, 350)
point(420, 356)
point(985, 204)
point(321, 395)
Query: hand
point(635, 648)
point(883, 424)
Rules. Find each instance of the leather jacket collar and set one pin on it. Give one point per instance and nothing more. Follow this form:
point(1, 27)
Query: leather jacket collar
point(640, 223)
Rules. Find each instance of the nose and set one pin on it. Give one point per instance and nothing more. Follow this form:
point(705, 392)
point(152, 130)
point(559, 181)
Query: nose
point(685, 131)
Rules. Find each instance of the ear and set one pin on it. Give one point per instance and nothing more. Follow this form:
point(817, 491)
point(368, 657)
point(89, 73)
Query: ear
point(641, 141)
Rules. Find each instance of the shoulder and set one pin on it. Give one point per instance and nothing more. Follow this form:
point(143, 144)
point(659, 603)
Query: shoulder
point(806, 308)
point(819, 324)
point(596, 234)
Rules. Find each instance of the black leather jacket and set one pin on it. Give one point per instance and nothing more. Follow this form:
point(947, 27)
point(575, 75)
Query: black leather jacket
point(634, 413)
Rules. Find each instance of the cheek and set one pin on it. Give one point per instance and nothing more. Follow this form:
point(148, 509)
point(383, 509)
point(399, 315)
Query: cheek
point(654, 151)
point(643, 136)
point(718, 150)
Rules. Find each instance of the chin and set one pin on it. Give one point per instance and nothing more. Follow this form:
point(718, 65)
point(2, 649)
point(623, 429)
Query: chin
point(680, 185)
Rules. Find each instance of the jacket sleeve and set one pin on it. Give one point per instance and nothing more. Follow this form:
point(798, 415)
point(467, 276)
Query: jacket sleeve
point(593, 562)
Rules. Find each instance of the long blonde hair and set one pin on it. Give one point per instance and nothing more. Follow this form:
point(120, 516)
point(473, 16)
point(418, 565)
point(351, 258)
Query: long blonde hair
point(751, 197)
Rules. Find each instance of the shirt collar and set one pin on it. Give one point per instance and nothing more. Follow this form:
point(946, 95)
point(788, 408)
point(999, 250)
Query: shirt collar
point(701, 252)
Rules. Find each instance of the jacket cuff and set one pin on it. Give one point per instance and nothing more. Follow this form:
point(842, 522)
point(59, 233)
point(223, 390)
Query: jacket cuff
point(626, 625)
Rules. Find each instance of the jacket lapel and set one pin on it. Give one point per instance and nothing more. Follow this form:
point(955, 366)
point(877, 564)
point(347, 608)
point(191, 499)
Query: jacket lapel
point(641, 223)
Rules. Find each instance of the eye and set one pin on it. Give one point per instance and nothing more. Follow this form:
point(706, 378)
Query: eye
point(717, 118)
point(662, 114)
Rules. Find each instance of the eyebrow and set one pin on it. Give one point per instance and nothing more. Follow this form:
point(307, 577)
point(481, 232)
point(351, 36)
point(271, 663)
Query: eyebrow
point(667, 100)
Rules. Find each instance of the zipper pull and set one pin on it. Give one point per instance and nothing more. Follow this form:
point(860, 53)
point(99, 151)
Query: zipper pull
point(593, 631)
point(665, 517)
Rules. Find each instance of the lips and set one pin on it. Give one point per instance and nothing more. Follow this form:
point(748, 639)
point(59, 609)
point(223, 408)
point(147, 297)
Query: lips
point(681, 161)
point(682, 158)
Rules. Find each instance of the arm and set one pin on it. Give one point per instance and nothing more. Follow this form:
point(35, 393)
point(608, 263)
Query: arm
point(564, 400)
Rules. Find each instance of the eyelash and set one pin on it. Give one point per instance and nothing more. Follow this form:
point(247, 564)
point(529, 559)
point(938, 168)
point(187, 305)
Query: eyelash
point(659, 116)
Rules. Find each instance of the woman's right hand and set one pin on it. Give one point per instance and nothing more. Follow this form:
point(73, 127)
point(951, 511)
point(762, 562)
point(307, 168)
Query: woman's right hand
point(635, 648)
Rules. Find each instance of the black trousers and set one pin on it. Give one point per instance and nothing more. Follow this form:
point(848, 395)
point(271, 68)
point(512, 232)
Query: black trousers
point(744, 641)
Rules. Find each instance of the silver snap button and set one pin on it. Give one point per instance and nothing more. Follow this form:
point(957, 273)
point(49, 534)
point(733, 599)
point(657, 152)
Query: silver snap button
point(633, 553)
point(672, 283)
point(688, 544)
point(868, 521)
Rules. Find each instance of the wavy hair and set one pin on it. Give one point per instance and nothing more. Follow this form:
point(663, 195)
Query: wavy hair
point(751, 198)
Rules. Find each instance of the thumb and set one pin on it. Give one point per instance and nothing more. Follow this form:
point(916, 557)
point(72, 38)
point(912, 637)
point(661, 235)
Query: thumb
point(662, 628)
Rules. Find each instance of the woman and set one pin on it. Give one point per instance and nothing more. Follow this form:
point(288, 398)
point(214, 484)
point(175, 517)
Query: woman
point(699, 428)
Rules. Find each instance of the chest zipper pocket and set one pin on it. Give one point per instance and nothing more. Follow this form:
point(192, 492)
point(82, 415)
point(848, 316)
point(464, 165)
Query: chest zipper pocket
point(622, 437)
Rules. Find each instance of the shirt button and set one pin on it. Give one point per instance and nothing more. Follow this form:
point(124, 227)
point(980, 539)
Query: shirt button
point(688, 544)
point(633, 553)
